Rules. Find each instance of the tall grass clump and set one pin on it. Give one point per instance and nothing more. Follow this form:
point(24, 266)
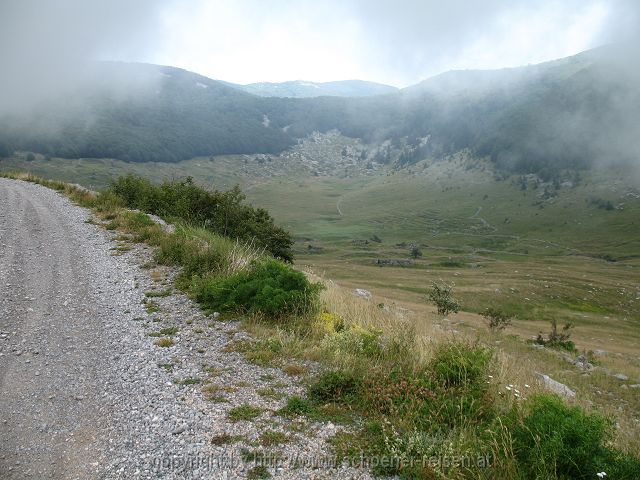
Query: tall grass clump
point(224, 213)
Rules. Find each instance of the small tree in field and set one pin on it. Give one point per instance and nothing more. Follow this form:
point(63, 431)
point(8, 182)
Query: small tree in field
point(497, 319)
point(441, 294)
point(557, 338)
point(415, 252)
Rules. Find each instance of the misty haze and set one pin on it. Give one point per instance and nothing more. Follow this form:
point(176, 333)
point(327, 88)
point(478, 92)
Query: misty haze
point(360, 239)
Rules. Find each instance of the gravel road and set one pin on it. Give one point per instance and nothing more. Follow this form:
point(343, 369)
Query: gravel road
point(84, 390)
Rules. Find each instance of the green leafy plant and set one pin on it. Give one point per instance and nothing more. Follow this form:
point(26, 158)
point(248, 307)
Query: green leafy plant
point(441, 294)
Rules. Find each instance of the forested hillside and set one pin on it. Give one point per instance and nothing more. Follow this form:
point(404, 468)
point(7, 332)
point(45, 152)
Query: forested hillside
point(563, 114)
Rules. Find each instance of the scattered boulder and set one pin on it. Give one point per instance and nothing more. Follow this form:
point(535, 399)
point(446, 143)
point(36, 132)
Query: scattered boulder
point(393, 262)
point(582, 363)
point(555, 386)
point(361, 292)
point(167, 227)
point(621, 376)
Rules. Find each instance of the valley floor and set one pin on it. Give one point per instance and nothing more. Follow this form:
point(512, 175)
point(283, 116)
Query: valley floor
point(572, 255)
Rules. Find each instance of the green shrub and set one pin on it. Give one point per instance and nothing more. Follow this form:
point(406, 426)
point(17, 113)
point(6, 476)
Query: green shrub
point(334, 386)
point(496, 318)
point(441, 295)
point(559, 441)
point(222, 212)
point(270, 288)
point(296, 406)
point(557, 339)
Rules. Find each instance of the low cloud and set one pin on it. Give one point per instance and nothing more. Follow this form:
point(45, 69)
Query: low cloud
point(46, 46)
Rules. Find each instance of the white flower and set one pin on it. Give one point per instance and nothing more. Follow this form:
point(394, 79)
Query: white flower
point(526, 386)
point(508, 388)
point(601, 474)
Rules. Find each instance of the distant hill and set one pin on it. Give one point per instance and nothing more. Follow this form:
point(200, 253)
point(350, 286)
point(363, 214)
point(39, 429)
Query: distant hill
point(303, 89)
point(140, 112)
point(567, 113)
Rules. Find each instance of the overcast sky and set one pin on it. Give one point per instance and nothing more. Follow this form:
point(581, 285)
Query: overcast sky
point(396, 42)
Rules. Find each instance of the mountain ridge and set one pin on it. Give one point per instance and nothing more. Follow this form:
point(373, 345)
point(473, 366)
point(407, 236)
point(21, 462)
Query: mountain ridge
point(555, 115)
point(309, 89)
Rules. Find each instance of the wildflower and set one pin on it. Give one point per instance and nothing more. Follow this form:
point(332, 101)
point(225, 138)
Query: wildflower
point(508, 388)
point(601, 474)
point(526, 386)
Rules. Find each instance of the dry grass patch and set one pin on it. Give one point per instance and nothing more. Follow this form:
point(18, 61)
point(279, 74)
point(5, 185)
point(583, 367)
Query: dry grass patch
point(165, 342)
point(295, 370)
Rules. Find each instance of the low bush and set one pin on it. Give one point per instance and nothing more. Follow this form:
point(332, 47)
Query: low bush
point(222, 212)
point(334, 386)
point(330, 323)
point(244, 412)
point(557, 339)
point(555, 440)
point(296, 406)
point(497, 319)
point(270, 288)
point(459, 371)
